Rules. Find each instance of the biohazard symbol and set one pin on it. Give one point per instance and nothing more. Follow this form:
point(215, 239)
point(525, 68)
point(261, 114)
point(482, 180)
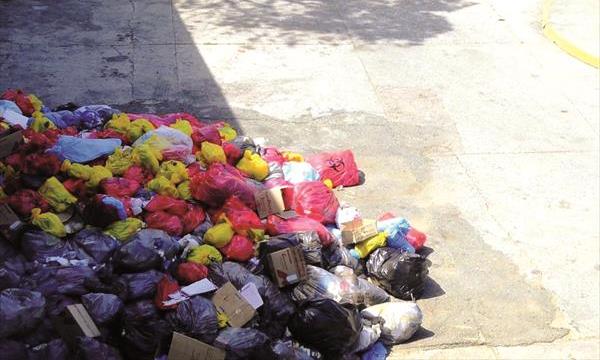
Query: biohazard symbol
point(336, 164)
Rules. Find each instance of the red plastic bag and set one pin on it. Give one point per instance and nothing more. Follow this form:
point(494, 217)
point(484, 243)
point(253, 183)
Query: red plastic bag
point(241, 217)
point(272, 154)
point(20, 98)
point(315, 200)
point(240, 248)
point(207, 133)
point(218, 183)
point(167, 204)
point(39, 164)
point(278, 181)
point(416, 238)
point(164, 221)
point(232, 152)
point(119, 187)
point(192, 218)
point(139, 174)
point(190, 272)
point(173, 117)
point(194, 169)
point(110, 134)
point(23, 201)
point(339, 167)
point(164, 288)
point(277, 225)
point(76, 187)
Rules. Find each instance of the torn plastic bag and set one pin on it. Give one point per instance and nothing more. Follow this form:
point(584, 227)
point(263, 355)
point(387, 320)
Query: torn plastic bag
point(315, 200)
point(103, 308)
point(338, 254)
point(376, 352)
point(277, 308)
point(146, 250)
point(401, 274)
point(119, 187)
point(240, 248)
point(218, 183)
point(20, 311)
point(53, 350)
point(400, 320)
point(196, 317)
point(143, 329)
point(326, 326)
point(25, 200)
point(166, 286)
point(339, 167)
point(91, 349)
point(297, 172)
point(190, 272)
point(83, 150)
point(244, 343)
point(141, 285)
point(276, 226)
point(103, 210)
point(322, 284)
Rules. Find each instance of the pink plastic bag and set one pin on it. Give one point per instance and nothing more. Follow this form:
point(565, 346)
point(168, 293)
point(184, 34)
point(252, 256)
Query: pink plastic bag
point(207, 133)
point(277, 225)
point(272, 154)
point(218, 183)
point(339, 167)
point(315, 200)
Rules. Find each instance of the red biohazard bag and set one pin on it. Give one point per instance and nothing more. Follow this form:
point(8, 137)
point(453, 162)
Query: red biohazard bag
point(165, 286)
point(315, 200)
point(277, 225)
point(171, 224)
point(190, 272)
point(119, 187)
point(192, 218)
point(339, 167)
point(240, 248)
point(218, 183)
point(167, 204)
point(25, 200)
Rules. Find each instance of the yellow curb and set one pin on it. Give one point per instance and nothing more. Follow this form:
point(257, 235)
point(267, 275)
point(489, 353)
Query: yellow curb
point(562, 42)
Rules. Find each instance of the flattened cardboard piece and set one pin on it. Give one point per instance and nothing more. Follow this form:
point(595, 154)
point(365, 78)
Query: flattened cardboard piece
point(358, 230)
point(74, 322)
point(273, 201)
point(287, 266)
point(8, 142)
point(187, 348)
point(229, 301)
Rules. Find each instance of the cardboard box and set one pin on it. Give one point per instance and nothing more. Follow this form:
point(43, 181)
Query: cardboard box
point(74, 322)
point(8, 142)
point(358, 230)
point(187, 348)
point(273, 201)
point(229, 301)
point(287, 266)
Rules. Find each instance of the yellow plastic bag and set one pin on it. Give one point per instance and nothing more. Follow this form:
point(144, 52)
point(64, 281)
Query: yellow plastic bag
point(57, 196)
point(211, 153)
point(174, 171)
point(328, 183)
point(292, 156)
point(204, 254)
point(183, 190)
point(138, 128)
point(227, 133)
point(41, 123)
point(222, 319)
point(219, 235)
point(184, 126)
point(256, 235)
point(91, 174)
point(36, 102)
point(364, 248)
point(161, 185)
point(48, 222)
point(253, 165)
point(147, 156)
point(119, 161)
point(124, 229)
point(119, 123)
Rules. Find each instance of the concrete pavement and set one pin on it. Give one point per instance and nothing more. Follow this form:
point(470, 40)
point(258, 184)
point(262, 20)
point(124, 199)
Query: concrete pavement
point(464, 117)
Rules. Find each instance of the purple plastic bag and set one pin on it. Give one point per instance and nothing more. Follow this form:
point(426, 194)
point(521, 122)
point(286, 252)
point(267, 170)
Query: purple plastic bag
point(141, 285)
point(102, 307)
point(20, 311)
point(196, 317)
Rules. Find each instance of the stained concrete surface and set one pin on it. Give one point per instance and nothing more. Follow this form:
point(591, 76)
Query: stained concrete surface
point(465, 119)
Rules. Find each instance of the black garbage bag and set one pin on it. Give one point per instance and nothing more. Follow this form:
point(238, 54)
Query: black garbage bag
point(43, 333)
point(66, 280)
point(277, 308)
point(141, 285)
point(197, 318)
point(244, 343)
point(103, 308)
point(8, 278)
point(14, 350)
point(145, 250)
point(327, 326)
point(53, 350)
point(107, 282)
point(57, 303)
point(20, 311)
point(143, 329)
point(401, 274)
point(37, 245)
point(372, 294)
point(96, 244)
point(337, 254)
point(92, 349)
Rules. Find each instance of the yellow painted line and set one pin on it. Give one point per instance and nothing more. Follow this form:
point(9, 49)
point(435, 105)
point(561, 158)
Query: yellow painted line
point(562, 42)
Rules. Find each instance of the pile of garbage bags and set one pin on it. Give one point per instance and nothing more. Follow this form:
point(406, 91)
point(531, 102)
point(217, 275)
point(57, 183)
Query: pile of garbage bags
point(126, 213)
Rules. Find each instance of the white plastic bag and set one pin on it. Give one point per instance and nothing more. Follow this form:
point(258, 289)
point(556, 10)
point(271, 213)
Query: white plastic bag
point(400, 320)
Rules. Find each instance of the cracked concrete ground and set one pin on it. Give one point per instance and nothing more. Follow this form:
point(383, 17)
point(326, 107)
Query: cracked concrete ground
point(464, 117)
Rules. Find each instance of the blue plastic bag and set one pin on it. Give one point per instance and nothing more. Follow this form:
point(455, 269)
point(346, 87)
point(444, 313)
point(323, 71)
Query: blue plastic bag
point(377, 352)
point(93, 116)
point(82, 150)
point(396, 230)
